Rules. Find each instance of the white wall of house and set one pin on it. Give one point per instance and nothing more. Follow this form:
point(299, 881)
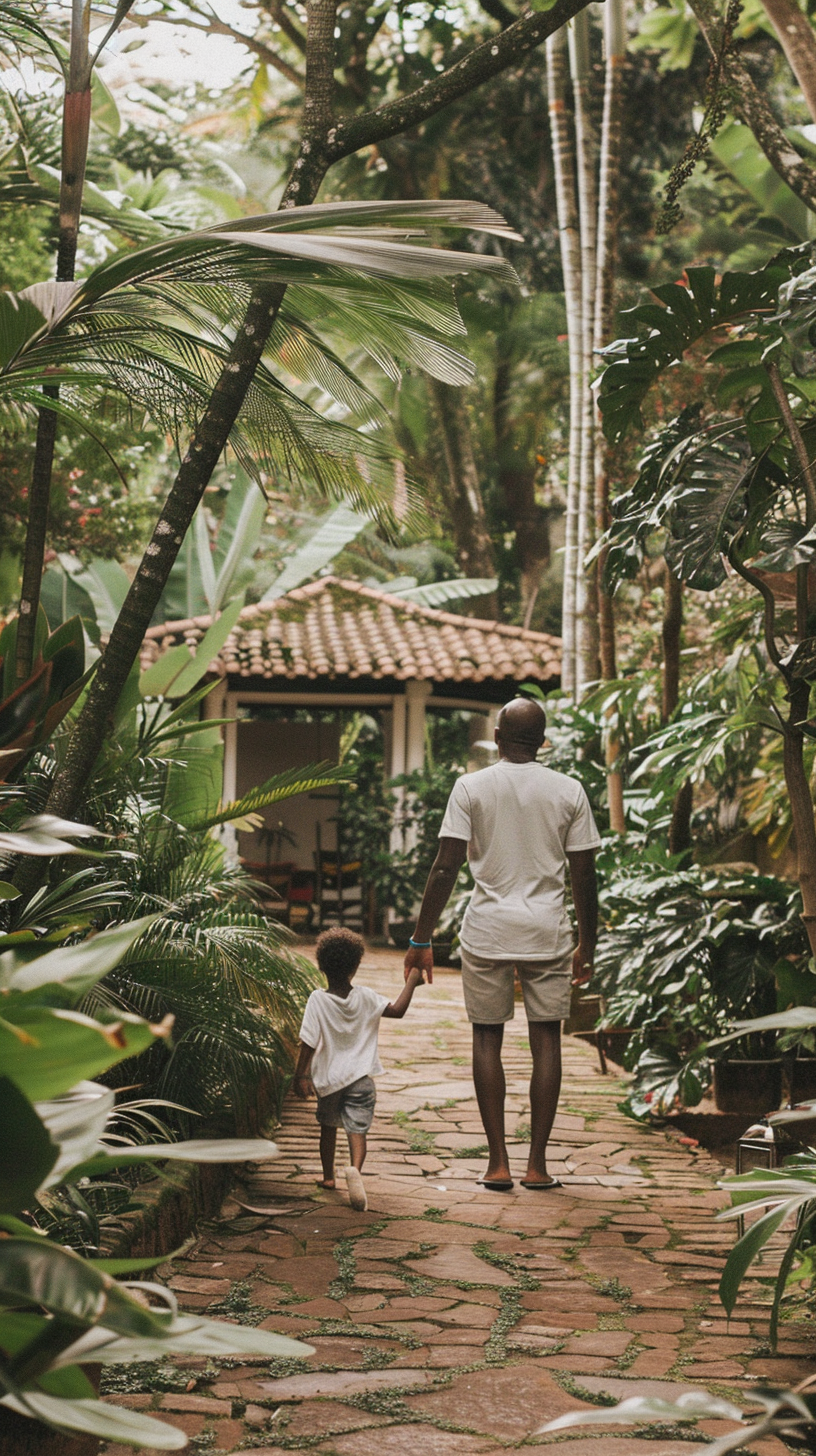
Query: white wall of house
point(254, 749)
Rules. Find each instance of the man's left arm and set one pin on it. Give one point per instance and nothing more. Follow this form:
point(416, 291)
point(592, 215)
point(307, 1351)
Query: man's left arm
point(585, 899)
point(449, 860)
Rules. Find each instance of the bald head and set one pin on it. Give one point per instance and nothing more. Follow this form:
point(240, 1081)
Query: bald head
point(520, 729)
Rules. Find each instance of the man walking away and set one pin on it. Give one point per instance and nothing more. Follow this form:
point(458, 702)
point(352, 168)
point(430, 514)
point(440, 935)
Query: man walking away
point(519, 824)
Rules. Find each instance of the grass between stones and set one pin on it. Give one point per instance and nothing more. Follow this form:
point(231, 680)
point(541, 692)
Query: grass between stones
point(237, 1304)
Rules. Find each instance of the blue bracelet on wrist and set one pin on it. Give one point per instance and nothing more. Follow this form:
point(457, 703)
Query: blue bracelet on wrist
point(419, 944)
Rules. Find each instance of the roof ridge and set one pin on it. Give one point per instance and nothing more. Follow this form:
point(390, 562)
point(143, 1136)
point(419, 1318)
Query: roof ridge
point(324, 584)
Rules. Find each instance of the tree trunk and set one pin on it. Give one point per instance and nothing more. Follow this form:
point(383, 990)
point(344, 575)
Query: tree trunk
point(208, 441)
point(801, 802)
point(474, 546)
point(568, 229)
point(517, 476)
point(606, 262)
point(680, 827)
point(587, 667)
point(794, 31)
point(76, 121)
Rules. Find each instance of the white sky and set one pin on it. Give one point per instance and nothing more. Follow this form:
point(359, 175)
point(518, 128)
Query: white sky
point(177, 55)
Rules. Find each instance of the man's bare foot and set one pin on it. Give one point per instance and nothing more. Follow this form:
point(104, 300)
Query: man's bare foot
point(326, 1183)
point(498, 1174)
point(534, 1179)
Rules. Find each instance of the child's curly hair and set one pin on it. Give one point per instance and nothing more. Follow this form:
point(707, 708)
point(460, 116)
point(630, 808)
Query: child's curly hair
point(339, 952)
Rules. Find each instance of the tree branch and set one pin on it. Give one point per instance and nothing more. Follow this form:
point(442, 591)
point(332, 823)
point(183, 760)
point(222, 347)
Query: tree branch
point(481, 64)
point(767, 595)
point(795, 437)
point(794, 32)
point(755, 111)
point(498, 11)
point(214, 26)
point(290, 30)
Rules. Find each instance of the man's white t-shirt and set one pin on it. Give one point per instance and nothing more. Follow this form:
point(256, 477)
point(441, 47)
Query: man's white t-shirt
point(343, 1031)
point(519, 820)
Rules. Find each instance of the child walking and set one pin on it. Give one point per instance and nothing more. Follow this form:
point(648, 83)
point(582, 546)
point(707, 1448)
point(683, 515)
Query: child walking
point(339, 1057)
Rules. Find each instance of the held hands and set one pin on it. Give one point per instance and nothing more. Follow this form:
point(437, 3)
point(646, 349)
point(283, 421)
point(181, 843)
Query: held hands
point(582, 966)
point(419, 958)
point(415, 977)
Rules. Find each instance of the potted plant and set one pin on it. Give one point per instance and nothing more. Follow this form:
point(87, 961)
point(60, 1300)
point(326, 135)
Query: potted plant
point(686, 951)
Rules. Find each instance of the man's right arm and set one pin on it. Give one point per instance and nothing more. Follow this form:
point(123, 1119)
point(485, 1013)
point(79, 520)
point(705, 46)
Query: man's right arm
point(585, 899)
point(449, 860)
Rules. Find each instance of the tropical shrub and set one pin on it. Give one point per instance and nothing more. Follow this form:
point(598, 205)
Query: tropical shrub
point(210, 958)
point(59, 1312)
point(685, 950)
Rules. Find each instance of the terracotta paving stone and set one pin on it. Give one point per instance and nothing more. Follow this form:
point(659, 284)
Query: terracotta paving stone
point(340, 1382)
point(316, 1417)
point(508, 1404)
point(626, 1251)
point(418, 1440)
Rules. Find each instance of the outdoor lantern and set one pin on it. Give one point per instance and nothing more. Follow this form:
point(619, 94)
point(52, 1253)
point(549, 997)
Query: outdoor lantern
point(757, 1148)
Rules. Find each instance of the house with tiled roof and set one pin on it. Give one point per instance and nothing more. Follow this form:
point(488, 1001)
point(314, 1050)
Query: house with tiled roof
point(291, 666)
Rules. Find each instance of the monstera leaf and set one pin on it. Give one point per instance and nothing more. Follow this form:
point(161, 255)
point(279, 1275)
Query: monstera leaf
point(636, 512)
point(663, 334)
point(705, 508)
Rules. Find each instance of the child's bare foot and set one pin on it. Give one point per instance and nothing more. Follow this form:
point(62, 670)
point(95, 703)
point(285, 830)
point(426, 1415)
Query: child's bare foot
point(356, 1190)
point(326, 1183)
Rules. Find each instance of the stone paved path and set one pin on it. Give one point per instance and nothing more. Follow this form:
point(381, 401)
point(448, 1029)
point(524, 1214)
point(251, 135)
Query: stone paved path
point(447, 1320)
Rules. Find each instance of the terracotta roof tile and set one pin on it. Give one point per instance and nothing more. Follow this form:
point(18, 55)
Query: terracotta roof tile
point(334, 628)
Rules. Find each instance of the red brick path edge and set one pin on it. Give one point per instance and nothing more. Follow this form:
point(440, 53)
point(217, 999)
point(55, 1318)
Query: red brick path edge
point(449, 1321)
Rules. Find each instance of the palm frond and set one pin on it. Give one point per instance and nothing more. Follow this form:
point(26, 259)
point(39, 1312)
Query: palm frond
point(281, 786)
point(437, 593)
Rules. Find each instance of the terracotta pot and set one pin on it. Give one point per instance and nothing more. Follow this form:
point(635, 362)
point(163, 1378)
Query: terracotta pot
point(752, 1088)
point(20, 1436)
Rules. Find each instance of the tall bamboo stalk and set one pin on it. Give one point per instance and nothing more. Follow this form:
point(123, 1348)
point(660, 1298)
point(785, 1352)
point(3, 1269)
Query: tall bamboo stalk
point(586, 150)
point(569, 234)
point(608, 215)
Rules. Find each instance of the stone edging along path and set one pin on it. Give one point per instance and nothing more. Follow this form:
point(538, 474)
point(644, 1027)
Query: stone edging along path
point(448, 1320)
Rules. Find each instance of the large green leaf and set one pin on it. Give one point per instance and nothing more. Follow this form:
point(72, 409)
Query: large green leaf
point(27, 1153)
point(75, 1122)
point(46, 1052)
point(438, 593)
point(19, 322)
point(195, 776)
point(40, 1274)
point(692, 1405)
point(97, 1418)
point(75, 967)
point(196, 1150)
point(107, 584)
point(332, 535)
point(736, 147)
point(238, 538)
point(745, 1252)
point(662, 335)
point(185, 1334)
point(158, 677)
point(207, 649)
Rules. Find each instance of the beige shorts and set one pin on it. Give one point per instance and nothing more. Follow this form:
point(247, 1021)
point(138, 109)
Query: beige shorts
point(489, 988)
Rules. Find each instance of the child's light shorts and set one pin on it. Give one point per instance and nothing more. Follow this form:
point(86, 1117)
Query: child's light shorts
point(350, 1107)
point(489, 991)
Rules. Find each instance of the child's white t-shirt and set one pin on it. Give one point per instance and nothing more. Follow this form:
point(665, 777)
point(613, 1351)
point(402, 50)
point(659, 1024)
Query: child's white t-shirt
point(343, 1031)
